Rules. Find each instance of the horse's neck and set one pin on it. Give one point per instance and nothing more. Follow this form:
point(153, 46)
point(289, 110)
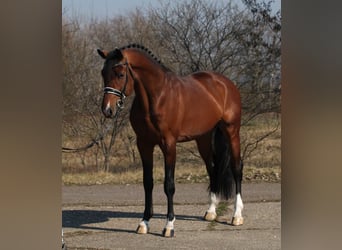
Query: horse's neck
point(149, 74)
point(150, 81)
point(149, 85)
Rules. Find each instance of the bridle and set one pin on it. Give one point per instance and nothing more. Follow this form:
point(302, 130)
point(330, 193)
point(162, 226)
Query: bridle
point(120, 93)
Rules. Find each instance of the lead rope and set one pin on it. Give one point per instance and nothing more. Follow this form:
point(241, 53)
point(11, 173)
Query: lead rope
point(100, 136)
point(89, 145)
point(120, 106)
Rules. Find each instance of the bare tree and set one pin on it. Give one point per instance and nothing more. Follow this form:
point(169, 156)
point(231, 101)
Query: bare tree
point(197, 35)
point(260, 37)
point(244, 44)
point(82, 94)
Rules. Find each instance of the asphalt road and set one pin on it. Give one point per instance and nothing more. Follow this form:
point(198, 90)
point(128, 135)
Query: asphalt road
point(106, 216)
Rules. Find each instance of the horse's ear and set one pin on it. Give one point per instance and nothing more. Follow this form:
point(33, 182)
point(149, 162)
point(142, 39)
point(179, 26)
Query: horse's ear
point(102, 53)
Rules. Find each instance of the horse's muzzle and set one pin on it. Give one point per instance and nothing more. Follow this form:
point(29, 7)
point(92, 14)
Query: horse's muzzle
point(108, 112)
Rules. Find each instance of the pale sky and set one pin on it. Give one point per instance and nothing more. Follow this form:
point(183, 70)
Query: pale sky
point(108, 8)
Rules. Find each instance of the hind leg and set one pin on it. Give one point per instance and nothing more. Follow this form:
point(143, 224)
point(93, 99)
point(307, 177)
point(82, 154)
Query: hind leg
point(234, 136)
point(205, 150)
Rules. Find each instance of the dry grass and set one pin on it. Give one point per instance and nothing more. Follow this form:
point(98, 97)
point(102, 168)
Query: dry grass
point(261, 164)
point(189, 175)
point(185, 175)
point(268, 151)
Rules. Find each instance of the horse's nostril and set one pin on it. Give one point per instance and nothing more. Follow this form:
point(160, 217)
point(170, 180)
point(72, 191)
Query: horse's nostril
point(108, 112)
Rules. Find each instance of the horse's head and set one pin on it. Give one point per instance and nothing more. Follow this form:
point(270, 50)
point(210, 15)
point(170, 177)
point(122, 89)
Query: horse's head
point(118, 81)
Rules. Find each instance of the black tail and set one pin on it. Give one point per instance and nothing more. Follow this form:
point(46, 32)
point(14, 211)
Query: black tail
point(222, 180)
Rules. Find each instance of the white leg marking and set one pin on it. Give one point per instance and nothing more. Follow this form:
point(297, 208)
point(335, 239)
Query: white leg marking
point(62, 236)
point(143, 227)
point(211, 215)
point(238, 206)
point(169, 223)
point(214, 201)
point(168, 230)
point(144, 223)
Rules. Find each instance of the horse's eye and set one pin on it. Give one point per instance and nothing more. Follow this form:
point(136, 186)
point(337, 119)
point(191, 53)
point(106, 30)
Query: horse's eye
point(120, 75)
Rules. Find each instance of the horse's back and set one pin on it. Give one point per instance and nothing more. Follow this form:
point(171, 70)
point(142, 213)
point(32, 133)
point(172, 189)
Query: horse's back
point(204, 99)
point(224, 91)
point(219, 86)
point(213, 80)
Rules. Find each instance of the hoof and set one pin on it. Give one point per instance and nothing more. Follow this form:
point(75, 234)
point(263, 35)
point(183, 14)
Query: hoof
point(142, 228)
point(209, 216)
point(168, 232)
point(237, 221)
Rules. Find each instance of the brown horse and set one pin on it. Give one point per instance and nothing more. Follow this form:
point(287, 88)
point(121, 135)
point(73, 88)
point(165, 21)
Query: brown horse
point(167, 108)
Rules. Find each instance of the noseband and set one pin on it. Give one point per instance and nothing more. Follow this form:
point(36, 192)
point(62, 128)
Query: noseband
point(116, 92)
point(121, 94)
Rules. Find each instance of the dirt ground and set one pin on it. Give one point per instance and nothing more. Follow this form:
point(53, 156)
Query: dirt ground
point(106, 216)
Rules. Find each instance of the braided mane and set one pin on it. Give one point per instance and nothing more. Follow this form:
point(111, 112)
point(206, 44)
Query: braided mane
point(147, 51)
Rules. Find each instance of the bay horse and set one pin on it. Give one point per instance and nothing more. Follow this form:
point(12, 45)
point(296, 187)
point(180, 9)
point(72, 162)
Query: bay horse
point(167, 109)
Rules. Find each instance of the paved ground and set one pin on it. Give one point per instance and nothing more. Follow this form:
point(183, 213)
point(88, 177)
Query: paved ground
point(106, 216)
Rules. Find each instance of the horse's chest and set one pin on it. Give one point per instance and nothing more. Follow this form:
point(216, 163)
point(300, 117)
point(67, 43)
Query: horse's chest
point(150, 122)
point(152, 126)
point(154, 123)
point(144, 125)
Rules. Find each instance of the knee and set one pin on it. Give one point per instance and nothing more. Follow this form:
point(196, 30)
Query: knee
point(148, 184)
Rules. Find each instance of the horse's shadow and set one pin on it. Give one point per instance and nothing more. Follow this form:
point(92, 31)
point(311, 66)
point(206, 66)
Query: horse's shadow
point(80, 219)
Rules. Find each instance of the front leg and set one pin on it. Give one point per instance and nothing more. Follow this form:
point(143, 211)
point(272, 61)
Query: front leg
point(146, 154)
point(169, 151)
